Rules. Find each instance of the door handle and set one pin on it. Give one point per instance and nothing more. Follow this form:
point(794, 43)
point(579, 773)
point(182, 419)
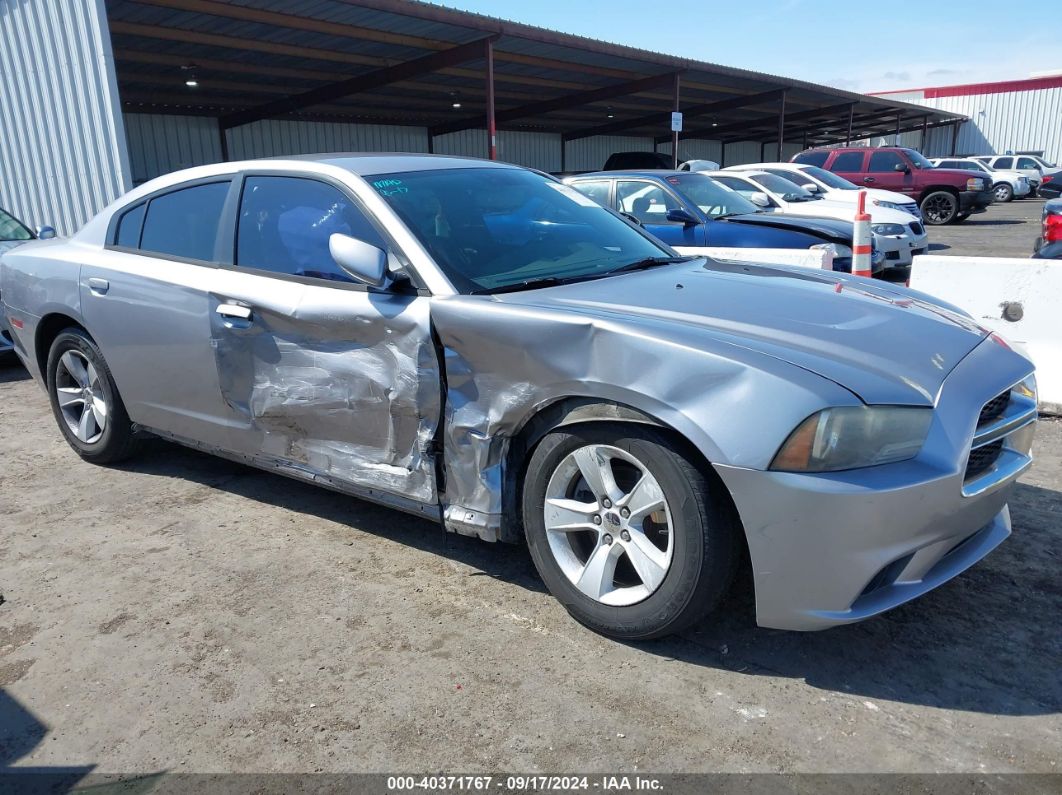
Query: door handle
point(99, 286)
point(869, 179)
point(234, 311)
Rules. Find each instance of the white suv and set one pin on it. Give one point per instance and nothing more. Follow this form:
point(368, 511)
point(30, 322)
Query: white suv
point(1031, 166)
point(1006, 185)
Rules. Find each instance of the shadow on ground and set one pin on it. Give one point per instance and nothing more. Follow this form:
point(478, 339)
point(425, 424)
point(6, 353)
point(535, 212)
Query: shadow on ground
point(11, 370)
point(985, 642)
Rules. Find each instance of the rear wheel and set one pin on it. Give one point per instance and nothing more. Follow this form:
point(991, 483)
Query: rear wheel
point(940, 207)
point(85, 401)
point(1003, 192)
point(626, 531)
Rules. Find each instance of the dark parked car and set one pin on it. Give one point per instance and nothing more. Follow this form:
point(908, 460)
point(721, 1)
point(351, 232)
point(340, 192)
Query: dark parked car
point(945, 195)
point(626, 161)
point(1050, 188)
point(1049, 246)
point(687, 208)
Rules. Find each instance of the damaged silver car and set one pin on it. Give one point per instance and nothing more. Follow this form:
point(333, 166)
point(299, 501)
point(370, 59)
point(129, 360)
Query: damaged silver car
point(480, 344)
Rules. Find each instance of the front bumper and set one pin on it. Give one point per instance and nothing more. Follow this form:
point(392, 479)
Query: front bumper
point(900, 250)
point(830, 549)
point(971, 202)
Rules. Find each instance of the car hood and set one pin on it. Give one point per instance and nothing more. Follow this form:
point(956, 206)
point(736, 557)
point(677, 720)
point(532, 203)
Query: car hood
point(831, 228)
point(886, 345)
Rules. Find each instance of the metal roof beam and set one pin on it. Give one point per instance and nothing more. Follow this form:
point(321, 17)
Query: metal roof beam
point(763, 121)
point(663, 117)
point(575, 100)
point(353, 85)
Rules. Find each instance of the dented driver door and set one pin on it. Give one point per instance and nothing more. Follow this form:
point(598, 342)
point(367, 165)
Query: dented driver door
point(325, 377)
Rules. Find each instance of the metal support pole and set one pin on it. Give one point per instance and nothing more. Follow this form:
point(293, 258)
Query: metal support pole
point(431, 144)
point(223, 139)
point(564, 154)
point(804, 143)
point(955, 137)
point(781, 125)
point(925, 131)
point(763, 151)
point(492, 130)
point(897, 142)
point(848, 137)
point(674, 133)
point(722, 156)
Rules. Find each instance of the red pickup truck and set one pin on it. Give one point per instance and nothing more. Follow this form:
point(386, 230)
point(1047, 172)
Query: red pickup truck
point(945, 195)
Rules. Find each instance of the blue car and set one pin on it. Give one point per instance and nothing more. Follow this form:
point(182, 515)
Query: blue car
point(684, 208)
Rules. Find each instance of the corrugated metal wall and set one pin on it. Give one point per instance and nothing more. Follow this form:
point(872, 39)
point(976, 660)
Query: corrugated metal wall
point(1013, 120)
point(159, 144)
point(62, 142)
point(272, 138)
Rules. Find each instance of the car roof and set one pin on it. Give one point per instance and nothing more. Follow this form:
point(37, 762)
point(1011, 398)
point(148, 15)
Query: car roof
point(633, 172)
point(750, 172)
point(765, 166)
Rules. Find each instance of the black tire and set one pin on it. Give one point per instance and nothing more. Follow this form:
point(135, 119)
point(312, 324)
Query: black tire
point(705, 545)
point(117, 440)
point(940, 207)
point(1003, 192)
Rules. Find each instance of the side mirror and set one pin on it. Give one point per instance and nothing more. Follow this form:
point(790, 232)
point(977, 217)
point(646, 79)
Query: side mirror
point(902, 167)
point(681, 216)
point(811, 187)
point(362, 261)
point(760, 199)
point(45, 232)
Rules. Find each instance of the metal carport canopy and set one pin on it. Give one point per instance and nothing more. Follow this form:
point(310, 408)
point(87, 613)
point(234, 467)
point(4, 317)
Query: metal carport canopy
point(411, 63)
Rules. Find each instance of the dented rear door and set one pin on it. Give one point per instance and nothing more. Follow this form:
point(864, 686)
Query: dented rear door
point(322, 374)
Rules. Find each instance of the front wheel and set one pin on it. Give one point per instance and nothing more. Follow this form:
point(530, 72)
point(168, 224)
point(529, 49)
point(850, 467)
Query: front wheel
point(626, 531)
point(1003, 192)
point(85, 401)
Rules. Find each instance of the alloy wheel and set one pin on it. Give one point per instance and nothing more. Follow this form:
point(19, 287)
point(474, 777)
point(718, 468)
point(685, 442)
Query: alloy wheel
point(608, 525)
point(938, 209)
point(81, 397)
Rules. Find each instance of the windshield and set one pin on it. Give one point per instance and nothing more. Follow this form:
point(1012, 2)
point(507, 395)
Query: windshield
point(12, 229)
point(1044, 163)
point(917, 159)
point(789, 191)
point(713, 199)
point(491, 228)
point(828, 178)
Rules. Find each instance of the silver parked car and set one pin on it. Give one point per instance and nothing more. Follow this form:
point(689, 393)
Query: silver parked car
point(481, 344)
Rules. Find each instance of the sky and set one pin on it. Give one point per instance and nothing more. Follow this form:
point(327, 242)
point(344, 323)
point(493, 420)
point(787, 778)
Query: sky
point(861, 46)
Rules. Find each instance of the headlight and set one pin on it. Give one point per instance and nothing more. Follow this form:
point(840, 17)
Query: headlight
point(854, 436)
point(975, 183)
point(1027, 388)
point(886, 205)
point(838, 251)
point(887, 229)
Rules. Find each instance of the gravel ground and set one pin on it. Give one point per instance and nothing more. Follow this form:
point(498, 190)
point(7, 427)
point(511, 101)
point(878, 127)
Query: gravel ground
point(1004, 230)
point(182, 613)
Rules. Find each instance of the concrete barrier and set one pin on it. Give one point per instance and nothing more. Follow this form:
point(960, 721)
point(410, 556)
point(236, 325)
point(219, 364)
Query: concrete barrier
point(1021, 299)
point(802, 257)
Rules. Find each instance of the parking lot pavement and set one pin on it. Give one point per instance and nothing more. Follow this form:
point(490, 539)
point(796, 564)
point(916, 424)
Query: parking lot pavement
point(1004, 230)
point(182, 613)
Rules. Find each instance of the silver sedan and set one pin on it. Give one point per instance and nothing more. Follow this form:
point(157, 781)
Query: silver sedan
point(479, 344)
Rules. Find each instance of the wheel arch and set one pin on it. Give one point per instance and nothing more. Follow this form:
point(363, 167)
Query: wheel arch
point(936, 189)
point(566, 412)
point(48, 328)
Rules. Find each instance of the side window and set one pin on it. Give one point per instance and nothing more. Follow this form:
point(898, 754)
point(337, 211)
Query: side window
point(184, 223)
point(812, 158)
point(595, 189)
point(884, 161)
point(1028, 162)
point(647, 202)
point(848, 162)
point(129, 226)
point(285, 223)
point(1004, 163)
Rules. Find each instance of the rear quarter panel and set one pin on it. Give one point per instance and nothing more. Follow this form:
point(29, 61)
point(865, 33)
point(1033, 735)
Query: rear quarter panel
point(38, 279)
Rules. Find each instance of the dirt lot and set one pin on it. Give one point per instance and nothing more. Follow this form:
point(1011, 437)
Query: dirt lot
point(1004, 230)
point(186, 614)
